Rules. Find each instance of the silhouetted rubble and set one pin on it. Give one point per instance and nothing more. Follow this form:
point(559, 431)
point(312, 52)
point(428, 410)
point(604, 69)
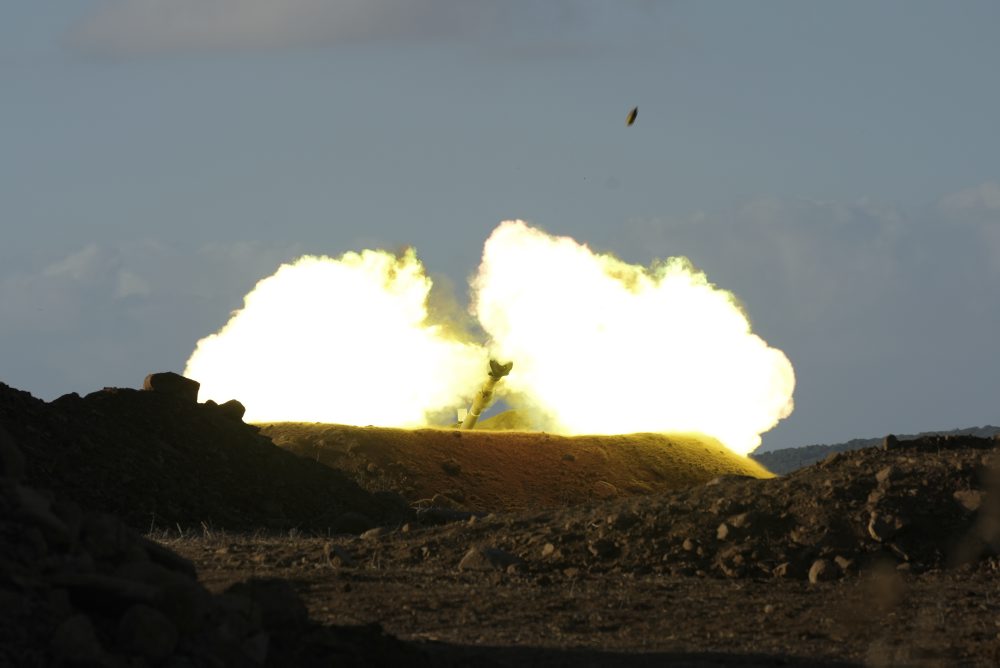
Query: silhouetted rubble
point(287, 543)
point(157, 459)
point(81, 588)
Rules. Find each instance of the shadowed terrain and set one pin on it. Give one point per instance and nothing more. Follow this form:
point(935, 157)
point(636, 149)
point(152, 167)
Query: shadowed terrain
point(430, 548)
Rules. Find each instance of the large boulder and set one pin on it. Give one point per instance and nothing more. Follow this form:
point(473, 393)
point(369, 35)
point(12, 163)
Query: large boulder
point(174, 384)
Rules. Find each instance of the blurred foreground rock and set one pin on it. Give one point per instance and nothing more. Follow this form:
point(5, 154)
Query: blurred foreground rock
point(156, 459)
point(81, 588)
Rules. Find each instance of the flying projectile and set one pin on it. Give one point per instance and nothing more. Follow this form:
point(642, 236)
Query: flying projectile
point(631, 117)
point(497, 371)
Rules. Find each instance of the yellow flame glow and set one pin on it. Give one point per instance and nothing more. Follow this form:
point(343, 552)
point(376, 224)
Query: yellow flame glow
point(599, 346)
point(605, 347)
point(338, 340)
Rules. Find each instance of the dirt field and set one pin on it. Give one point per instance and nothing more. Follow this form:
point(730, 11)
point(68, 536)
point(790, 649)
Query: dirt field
point(137, 528)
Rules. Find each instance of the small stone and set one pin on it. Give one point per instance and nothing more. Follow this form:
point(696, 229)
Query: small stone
point(373, 534)
point(569, 457)
point(548, 550)
point(486, 559)
point(722, 532)
point(336, 556)
point(255, 647)
point(768, 609)
point(451, 467)
point(882, 527)
point(38, 510)
point(971, 499)
point(146, 631)
point(884, 475)
point(173, 384)
point(406, 528)
point(75, 641)
point(782, 570)
point(233, 409)
point(821, 571)
point(603, 548)
point(281, 607)
point(843, 563)
point(186, 604)
point(688, 545)
point(445, 501)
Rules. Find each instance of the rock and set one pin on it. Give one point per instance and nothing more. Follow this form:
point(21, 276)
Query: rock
point(173, 384)
point(569, 457)
point(233, 409)
point(885, 474)
point(486, 559)
point(890, 442)
point(821, 571)
point(373, 534)
point(168, 558)
point(723, 531)
point(832, 458)
point(280, 604)
point(445, 501)
point(882, 527)
point(146, 631)
point(37, 509)
point(255, 647)
point(75, 642)
point(782, 570)
point(186, 604)
point(843, 563)
point(451, 467)
point(93, 591)
point(11, 459)
point(971, 499)
point(688, 545)
point(603, 548)
point(337, 557)
point(548, 550)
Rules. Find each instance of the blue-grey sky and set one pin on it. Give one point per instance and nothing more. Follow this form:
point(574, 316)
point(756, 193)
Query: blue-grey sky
point(835, 164)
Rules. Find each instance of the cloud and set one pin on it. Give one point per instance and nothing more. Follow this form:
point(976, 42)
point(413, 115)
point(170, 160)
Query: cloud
point(984, 199)
point(114, 312)
point(122, 27)
point(811, 256)
point(977, 209)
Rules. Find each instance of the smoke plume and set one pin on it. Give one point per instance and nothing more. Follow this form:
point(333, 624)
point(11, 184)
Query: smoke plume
point(605, 347)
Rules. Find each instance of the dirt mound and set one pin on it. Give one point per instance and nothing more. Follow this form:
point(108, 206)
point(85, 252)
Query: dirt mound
point(494, 471)
point(155, 460)
point(80, 588)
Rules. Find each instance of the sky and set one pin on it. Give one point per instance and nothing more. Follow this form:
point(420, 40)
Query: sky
point(835, 165)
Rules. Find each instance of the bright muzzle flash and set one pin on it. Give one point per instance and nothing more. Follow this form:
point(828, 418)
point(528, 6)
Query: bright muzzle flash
point(600, 346)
